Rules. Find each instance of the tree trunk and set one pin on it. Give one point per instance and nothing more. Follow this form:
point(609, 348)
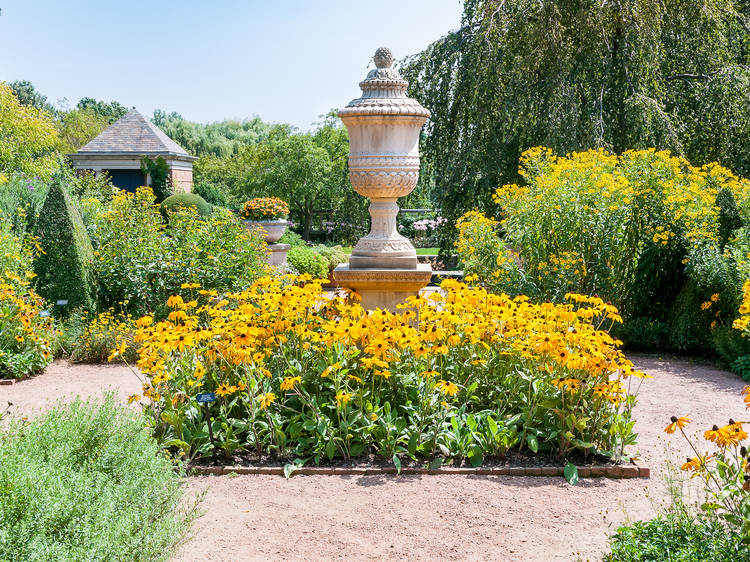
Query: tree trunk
point(307, 217)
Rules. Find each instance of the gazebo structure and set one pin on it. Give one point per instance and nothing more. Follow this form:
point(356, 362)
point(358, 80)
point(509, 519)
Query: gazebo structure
point(119, 149)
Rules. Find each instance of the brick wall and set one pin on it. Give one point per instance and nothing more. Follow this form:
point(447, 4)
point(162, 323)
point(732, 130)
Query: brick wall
point(182, 180)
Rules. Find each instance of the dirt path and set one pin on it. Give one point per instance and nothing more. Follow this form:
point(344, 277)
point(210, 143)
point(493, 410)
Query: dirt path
point(430, 517)
point(64, 380)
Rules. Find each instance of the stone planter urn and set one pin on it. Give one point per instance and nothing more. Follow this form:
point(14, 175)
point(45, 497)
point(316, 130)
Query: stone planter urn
point(384, 126)
point(274, 230)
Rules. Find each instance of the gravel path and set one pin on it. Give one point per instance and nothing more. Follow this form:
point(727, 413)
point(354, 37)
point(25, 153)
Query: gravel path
point(431, 517)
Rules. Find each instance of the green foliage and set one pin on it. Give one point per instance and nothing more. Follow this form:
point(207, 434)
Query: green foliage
point(159, 171)
point(309, 170)
point(220, 139)
point(141, 262)
point(65, 269)
point(185, 200)
point(575, 75)
point(111, 111)
point(85, 481)
point(307, 261)
point(28, 137)
point(28, 95)
point(676, 537)
point(334, 255)
point(729, 215)
point(86, 184)
point(211, 193)
point(79, 126)
point(291, 238)
point(741, 366)
point(21, 200)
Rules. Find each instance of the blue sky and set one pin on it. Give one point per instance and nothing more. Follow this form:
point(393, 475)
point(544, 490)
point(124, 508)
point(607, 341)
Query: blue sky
point(284, 60)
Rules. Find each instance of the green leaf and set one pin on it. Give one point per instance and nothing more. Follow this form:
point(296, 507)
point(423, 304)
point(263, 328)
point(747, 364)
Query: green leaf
point(397, 463)
point(412, 446)
point(330, 449)
point(475, 455)
point(436, 463)
point(289, 469)
point(493, 425)
point(571, 474)
point(533, 443)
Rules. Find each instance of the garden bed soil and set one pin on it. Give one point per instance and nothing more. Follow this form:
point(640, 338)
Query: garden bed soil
point(428, 517)
point(514, 459)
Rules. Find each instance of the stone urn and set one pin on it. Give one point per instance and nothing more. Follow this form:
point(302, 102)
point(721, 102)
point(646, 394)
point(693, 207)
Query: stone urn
point(274, 230)
point(384, 125)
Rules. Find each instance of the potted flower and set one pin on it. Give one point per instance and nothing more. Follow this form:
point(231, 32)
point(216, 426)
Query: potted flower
point(268, 213)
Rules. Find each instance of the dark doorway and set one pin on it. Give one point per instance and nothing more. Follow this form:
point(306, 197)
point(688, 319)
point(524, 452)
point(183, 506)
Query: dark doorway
point(129, 180)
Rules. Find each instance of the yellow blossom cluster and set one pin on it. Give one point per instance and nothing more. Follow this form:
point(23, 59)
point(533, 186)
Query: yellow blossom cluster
point(282, 342)
point(265, 208)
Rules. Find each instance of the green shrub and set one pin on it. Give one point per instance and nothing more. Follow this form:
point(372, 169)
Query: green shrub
point(211, 194)
point(729, 215)
point(85, 481)
point(64, 270)
point(334, 255)
point(741, 366)
point(183, 200)
point(292, 238)
point(307, 261)
point(140, 262)
point(676, 537)
point(21, 200)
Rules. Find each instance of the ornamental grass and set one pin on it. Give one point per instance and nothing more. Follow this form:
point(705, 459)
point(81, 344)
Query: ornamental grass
point(461, 375)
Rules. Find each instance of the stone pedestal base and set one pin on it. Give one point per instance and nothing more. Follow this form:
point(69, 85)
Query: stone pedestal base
point(383, 288)
point(278, 254)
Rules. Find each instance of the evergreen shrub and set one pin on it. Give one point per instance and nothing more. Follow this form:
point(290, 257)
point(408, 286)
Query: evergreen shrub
point(65, 269)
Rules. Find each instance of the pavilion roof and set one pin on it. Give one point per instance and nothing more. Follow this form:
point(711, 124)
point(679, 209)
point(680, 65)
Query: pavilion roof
point(132, 134)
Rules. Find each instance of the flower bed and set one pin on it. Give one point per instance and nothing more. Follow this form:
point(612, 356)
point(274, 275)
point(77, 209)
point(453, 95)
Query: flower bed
point(460, 376)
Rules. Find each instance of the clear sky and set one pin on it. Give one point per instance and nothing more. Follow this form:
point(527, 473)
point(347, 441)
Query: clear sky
point(283, 60)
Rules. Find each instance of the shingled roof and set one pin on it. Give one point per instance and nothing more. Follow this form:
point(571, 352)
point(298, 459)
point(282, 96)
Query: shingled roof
point(133, 134)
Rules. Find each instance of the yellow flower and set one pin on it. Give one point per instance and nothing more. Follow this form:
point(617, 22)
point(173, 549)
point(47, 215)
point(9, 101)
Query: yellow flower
point(447, 388)
point(289, 382)
point(677, 422)
point(267, 399)
point(342, 398)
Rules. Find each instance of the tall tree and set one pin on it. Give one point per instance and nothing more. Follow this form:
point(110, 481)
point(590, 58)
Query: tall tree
point(223, 138)
point(111, 111)
point(576, 74)
point(28, 137)
point(28, 95)
point(79, 126)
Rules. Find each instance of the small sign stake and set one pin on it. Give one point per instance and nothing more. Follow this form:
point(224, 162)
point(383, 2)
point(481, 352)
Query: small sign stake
point(206, 398)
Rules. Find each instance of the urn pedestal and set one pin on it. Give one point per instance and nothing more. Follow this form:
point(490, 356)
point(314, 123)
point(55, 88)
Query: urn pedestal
point(272, 232)
point(384, 126)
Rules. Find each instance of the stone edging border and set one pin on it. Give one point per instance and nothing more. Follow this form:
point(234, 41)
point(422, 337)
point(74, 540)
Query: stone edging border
point(616, 472)
point(9, 382)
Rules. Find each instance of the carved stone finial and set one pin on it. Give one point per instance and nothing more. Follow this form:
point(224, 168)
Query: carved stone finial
point(383, 57)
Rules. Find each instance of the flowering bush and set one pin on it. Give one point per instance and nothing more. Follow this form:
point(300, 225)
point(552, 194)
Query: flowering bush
point(725, 471)
point(24, 333)
point(106, 332)
point(265, 209)
point(140, 260)
point(462, 375)
point(645, 230)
